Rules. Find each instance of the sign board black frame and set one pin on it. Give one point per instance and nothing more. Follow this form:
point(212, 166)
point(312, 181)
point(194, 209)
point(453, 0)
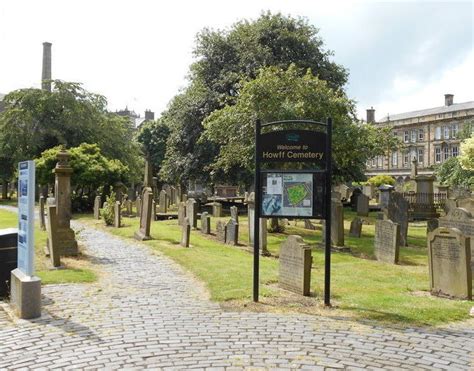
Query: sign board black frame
point(305, 147)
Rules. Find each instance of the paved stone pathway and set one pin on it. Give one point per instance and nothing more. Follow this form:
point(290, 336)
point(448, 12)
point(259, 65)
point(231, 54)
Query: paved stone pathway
point(146, 312)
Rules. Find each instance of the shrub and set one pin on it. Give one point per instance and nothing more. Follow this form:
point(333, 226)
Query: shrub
point(378, 180)
point(108, 210)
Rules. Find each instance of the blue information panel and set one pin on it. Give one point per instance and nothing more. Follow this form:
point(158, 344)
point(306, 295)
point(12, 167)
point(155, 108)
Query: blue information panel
point(26, 216)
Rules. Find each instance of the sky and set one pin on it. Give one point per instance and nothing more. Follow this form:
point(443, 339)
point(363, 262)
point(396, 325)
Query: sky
point(401, 55)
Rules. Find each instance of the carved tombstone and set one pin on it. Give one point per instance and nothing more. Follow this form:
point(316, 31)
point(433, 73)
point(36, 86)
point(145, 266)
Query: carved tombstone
point(463, 220)
point(97, 207)
point(41, 213)
point(356, 227)
point(221, 231)
point(234, 213)
point(363, 205)
point(232, 232)
point(181, 212)
point(117, 214)
point(337, 224)
point(52, 241)
point(251, 224)
point(191, 212)
point(355, 194)
point(449, 263)
point(397, 212)
point(185, 233)
point(145, 218)
point(295, 265)
point(163, 202)
point(217, 210)
point(205, 223)
point(386, 245)
point(138, 205)
point(129, 207)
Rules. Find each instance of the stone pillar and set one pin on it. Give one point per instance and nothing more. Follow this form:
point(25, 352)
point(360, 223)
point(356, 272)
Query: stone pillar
point(424, 207)
point(385, 191)
point(62, 191)
point(46, 73)
point(148, 179)
point(251, 225)
point(216, 209)
point(117, 215)
point(41, 213)
point(414, 168)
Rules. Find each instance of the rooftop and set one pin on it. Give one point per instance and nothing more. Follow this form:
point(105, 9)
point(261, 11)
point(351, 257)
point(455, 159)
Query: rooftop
point(429, 111)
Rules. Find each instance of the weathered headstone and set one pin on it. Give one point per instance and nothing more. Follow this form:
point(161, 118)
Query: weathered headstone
point(163, 202)
point(145, 218)
point(205, 223)
point(185, 232)
point(386, 244)
point(117, 214)
point(216, 209)
point(138, 205)
point(295, 265)
point(251, 223)
point(181, 212)
point(463, 220)
point(129, 207)
point(191, 212)
point(97, 207)
point(221, 231)
point(337, 224)
point(431, 225)
point(368, 190)
point(41, 213)
point(62, 191)
point(397, 212)
point(449, 263)
point(363, 205)
point(173, 195)
point(234, 213)
point(355, 194)
point(385, 191)
point(356, 227)
point(232, 232)
point(52, 241)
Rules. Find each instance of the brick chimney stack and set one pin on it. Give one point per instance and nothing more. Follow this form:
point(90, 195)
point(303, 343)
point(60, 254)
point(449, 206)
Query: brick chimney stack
point(371, 115)
point(448, 99)
point(149, 115)
point(46, 75)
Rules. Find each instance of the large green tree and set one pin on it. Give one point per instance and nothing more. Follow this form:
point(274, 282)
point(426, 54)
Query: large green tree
point(35, 120)
point(224, 60)
point(278, 94)
point(152, 136)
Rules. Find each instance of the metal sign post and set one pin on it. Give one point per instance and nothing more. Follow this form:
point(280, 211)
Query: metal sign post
point(295, 181)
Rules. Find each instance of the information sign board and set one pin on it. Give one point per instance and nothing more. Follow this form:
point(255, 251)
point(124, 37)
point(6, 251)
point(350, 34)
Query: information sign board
point(26, 216)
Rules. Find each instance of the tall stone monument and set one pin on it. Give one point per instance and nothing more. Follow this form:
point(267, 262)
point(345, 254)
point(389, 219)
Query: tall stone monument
point(397, 212)
point(67, 244)
point(251, 226)
point(363, 205)
point(146, 214)
point(97, 207)
point(191, 212)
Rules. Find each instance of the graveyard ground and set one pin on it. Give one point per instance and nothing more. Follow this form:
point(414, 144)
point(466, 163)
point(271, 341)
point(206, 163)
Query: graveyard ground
point(361, 287)
point(75, 269)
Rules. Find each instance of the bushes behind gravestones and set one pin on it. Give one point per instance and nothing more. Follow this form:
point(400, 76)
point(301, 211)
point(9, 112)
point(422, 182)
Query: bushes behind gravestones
point(378, 180)
point(108, 210)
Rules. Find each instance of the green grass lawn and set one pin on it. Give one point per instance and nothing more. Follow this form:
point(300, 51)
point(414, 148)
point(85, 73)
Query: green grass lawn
point(74, 268)
point(361, 286)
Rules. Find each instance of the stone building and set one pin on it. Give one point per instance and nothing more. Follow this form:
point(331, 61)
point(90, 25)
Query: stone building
point(430, 136)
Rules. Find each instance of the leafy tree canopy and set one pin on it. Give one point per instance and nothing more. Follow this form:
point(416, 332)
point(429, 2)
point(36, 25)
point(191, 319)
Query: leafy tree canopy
point(152, 136)
point(451, 173)
point(289, 94)
point(466, 159)
point(379, 180)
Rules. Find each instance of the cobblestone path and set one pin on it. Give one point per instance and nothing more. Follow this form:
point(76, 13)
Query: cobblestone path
point(145, 312)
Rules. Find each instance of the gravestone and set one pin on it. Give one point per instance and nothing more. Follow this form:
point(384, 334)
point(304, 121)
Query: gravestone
point(97, 207)
point(386, 243)
point(146, 214)
point(205, 223)
point(251, 224)
point(41, 213)
point(216, 209)
point(232, 232)
point(138, 205)
point(345, 192)
point(336, 195)
point(355, 194)
point(463, 220)
point(363, 205)
point(129, 206)
point(168, 197)
point(163, 202)
point(385, 191)
point(356, 227)
point(337, 224)
point(397, 212)
point(181, 212)
point(173, 195)
point(234, 213)
point(52, 241)
point(117, 214)
point(368, 190)
point(185, 232)
point(191, 212)
point(295, 265)
point(431, 225)
point(62, 191)
point(449, 263)
point(221, 231)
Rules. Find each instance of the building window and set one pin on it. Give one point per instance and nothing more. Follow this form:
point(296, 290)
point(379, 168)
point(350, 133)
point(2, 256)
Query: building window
point(380, 161)
point(421, 135)
point(420, 155)
point(406, 136)
point(413, 136)
point(455, 151)
point(394, 159)
point(446, 153)
point(406, 159)
point(454, 130)
point(438, 154)
point(438, 133)
point(373, 162)
point(446, 132)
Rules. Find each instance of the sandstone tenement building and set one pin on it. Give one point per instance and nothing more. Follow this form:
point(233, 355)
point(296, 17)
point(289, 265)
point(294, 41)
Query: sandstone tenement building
point(429, 135)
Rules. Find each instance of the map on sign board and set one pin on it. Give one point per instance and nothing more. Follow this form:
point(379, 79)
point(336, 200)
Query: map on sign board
point(288, 194)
